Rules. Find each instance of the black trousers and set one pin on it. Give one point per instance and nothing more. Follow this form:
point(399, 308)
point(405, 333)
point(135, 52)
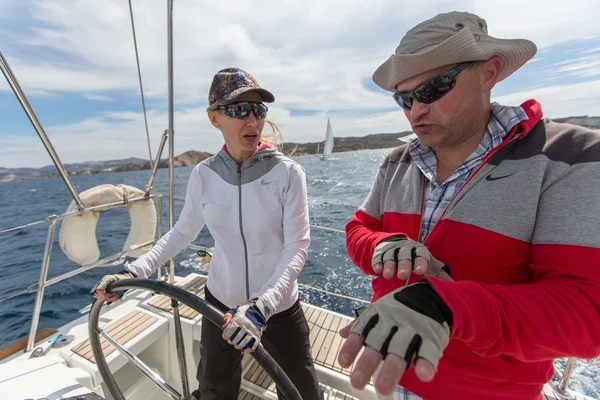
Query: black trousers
point(286, 339)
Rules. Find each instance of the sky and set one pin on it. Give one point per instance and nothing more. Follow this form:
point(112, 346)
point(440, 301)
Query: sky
point(75, 60)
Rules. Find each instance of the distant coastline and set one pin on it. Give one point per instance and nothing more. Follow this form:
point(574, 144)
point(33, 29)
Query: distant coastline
point(193, 157)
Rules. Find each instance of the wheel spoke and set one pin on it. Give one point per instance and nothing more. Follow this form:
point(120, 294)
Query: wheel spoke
point(140, 365)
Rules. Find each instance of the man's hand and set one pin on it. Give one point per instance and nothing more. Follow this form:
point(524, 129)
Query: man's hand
point(409, 325)
point(400, 256)
point(99, 290)
point(244, 325)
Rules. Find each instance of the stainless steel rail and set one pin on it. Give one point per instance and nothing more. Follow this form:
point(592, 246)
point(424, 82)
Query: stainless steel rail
point(14, 84)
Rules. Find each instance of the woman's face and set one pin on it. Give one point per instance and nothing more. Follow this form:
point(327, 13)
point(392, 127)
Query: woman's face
point(241, 135)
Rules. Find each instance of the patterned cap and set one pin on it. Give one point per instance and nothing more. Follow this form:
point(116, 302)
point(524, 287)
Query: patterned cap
point(230, 83)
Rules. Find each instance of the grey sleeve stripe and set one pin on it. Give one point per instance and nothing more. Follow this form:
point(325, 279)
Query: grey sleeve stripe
point(372, 204)
point(569, 210)
point(387, 193)
point(564, 143)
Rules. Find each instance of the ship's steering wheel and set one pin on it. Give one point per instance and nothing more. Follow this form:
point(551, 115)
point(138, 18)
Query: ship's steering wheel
point(284, 385)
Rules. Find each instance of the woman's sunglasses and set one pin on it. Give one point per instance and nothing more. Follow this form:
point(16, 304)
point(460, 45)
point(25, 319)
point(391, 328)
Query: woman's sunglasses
point(430, 90)
point(242, 110)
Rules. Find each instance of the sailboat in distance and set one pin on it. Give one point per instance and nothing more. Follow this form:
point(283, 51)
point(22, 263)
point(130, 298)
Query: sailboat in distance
point(328, 148)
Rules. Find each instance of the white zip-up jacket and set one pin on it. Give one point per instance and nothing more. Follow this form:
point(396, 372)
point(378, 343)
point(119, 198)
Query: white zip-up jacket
point(258, 216)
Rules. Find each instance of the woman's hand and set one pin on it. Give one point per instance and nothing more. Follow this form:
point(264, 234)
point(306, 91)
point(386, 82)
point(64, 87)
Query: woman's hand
point(244, 325)
point(99, 290)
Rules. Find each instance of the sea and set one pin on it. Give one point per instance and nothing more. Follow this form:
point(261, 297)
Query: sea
point(336, 188)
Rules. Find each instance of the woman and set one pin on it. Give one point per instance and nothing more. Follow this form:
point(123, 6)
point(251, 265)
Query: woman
point(253, 200)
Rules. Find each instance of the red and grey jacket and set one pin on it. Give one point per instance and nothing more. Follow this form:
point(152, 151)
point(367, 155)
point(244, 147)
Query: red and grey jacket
point(522, 239)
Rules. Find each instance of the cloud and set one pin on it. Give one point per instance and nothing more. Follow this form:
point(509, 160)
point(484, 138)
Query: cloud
point(581, 67)
point(540, 21)
point(560, 100)
point(98, 97)
point(317, 57)
point(595, 50)
point(311, 52)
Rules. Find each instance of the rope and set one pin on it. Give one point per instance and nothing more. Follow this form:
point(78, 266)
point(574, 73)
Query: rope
point(47, 220)
point(44, 221)
point(333, 294)
point(28, 290)
point(137, 59)
point(327, 229)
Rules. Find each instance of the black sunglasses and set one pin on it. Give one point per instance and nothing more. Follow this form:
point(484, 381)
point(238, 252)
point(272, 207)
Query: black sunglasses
point(430, 90)
point(242, 110)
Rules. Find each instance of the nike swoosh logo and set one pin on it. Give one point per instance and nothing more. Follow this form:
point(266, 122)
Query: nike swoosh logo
point(262, 181)
point(495, 178)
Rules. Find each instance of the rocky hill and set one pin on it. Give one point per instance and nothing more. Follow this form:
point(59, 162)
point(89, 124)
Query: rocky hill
point(386, 140)
point(189, 158)
point(89, 167)
point(342, 144)
point(588, 122)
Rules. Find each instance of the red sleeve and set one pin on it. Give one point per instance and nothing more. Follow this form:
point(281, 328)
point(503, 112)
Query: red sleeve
point(363, 234)
point(558, 314)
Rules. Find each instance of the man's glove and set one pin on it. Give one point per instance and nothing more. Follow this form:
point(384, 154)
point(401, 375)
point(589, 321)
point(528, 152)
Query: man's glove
point(108, 279)
point(247, 325)
point(398, 248)
point(412, 322)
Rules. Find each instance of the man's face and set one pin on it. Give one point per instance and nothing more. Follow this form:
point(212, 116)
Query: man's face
point(447, 121)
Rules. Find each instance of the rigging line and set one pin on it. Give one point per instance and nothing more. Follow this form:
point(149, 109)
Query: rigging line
point(16, 228)
point(137, 59)
point(30, 289)
point(327, 228)
point(303, 285)
point(26, 291)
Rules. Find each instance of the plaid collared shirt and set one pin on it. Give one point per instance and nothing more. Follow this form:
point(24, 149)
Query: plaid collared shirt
point(438, 196)
point(401, 393)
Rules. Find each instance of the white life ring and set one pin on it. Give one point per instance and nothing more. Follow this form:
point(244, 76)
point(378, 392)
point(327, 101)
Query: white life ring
point(78, 232)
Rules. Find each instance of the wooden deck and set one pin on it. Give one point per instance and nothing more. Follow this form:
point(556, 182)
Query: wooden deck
point(243, 395)
point(325, 343)
point(257, 375)
point(324, 325)
point(122, 330)
point(324, 340)
point(337, 395)
point(194, 284)
point(550, 394)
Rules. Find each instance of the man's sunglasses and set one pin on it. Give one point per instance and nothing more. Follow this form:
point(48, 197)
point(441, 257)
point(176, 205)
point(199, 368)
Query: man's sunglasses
point(430, 90)
point(242, 110)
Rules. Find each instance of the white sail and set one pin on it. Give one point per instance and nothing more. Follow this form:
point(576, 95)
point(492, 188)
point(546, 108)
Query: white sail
point(328, 148)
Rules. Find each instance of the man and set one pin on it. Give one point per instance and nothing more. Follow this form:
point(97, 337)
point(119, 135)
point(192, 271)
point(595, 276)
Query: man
point(504, 201)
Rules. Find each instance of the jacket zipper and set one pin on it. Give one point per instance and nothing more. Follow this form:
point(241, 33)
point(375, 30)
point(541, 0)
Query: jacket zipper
point(239, 181)
point(512, 137)
point(423, 194)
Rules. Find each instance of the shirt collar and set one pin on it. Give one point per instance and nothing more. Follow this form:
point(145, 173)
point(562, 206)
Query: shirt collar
point(502, 121)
